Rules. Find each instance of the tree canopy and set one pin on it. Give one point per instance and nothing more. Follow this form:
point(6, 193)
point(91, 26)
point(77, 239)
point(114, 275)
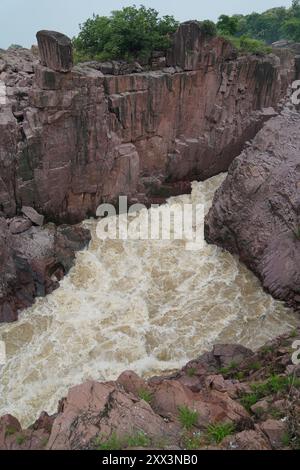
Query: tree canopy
point(135, 32)
point(128, 33)
point(269, 26)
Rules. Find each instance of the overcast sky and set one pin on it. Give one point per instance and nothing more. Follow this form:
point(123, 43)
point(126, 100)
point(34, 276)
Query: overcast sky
point(21, 19)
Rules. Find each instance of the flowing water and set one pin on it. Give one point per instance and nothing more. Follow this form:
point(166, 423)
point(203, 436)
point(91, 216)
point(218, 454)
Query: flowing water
point(149, 306)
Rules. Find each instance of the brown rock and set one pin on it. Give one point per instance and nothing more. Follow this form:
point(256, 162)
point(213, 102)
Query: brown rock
point(212, 406)
point(55, 50)
point(246, 440)
point(275, 431)
point(32, 263)
point(33, 215)
point(19, 225)
point(132, 383)
point(256, 211)
point(92, 412)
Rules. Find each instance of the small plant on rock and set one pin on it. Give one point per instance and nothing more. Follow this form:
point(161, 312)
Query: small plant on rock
point(140, 439)
point(217, 432)
point(145, 395)
point(187, 417)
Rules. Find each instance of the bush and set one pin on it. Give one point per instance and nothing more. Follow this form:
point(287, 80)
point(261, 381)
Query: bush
point(130, 33)
point(246, 44)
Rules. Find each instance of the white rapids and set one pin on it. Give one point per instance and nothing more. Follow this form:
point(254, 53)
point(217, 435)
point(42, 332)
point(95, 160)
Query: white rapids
point(148, 306)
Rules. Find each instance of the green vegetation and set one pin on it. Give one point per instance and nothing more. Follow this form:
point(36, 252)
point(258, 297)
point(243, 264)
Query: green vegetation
point(20, 439)
point(191, 371)
point(275, 384)
point(130, 33)
point(10, 431)
point(229, 369)
point(255, 366)
point(286, 440)
point(133, 33)
point(139, 439)
point(269, 26)
point(297, 230)
point(145, 395)
point(188, 418)
point(192, 442)
point(113, 443)
point(217, 432)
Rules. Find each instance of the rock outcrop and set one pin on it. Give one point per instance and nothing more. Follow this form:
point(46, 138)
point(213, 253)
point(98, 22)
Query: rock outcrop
point(256, 211)
point(229, 399)
point(55, 50)
point(69, 141)
point(33, 260)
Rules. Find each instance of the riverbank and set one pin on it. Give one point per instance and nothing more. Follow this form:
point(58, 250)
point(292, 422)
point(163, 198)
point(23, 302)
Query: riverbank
point(230, 398)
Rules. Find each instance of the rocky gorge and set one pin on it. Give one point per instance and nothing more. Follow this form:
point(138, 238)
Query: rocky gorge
point(72, 137)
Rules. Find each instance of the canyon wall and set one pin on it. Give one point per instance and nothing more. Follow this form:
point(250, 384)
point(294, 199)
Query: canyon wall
point(69, 141)
point(256, 211)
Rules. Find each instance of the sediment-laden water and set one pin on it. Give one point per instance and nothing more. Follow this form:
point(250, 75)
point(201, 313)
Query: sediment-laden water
point(149, 306)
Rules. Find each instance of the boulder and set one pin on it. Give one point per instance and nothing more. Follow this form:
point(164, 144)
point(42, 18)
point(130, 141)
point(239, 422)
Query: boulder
point(94, 412)
point(275, 432)
point(33, 215)
point(55, 50)
point(256, 211)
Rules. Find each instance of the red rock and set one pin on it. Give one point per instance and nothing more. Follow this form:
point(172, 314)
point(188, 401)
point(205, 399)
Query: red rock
point(132, 383)
point(33, 215)
point(275, 431)
point(32, 263)
point(212, 406)
point(256, 211)
point(246, 440)
point(92, 412)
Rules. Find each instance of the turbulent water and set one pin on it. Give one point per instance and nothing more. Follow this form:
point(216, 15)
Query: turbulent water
point(146, 306)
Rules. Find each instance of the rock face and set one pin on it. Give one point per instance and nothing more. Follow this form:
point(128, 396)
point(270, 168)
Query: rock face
point(69, 141)
point(256, 212)
point(132, 412)
point(33, 260)
point(55, 50)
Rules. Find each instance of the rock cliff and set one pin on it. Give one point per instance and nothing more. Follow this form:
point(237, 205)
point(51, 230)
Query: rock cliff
point(69, 141)
point(256, 211)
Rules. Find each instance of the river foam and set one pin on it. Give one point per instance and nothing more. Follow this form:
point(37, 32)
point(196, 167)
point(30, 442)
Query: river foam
point(145, 306)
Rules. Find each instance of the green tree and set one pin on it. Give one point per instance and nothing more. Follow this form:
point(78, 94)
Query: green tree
point(227, 25)
point(128, 33)
point(291, 29)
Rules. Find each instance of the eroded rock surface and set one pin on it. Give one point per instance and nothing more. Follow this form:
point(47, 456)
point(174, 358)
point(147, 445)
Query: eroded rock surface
point(256, 212)
point(33, 260)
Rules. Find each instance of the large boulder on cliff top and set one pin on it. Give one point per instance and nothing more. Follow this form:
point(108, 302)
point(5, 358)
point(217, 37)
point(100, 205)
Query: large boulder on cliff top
point(256, 211)
point(55, 50)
